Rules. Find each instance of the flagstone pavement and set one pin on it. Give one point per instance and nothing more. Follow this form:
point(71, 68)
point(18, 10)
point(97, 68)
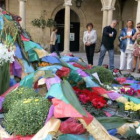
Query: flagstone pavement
point(106, 61)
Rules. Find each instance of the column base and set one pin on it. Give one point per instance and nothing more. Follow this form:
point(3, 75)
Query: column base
point(65, 52)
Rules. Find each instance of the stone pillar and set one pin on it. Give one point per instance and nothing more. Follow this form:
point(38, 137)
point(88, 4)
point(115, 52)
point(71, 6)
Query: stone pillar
point(110, 16)
point(67, 5)
point(105, 17)
point(138, 12)
point(22, 12)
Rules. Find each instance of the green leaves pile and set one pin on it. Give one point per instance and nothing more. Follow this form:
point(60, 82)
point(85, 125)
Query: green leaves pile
point(16, 95)
point(27, 116)
point(104, 74)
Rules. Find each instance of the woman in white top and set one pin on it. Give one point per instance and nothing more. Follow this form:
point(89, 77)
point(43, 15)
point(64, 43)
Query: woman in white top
point(89, 39)
point(126, 45)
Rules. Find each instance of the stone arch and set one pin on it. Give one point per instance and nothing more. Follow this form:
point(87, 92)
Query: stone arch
point(82, 19)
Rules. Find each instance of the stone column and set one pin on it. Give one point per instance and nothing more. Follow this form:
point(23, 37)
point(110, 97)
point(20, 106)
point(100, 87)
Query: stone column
point(67, 5)
point(105, 17)
point(110, 16)
point(22, 12)
point(138, 12)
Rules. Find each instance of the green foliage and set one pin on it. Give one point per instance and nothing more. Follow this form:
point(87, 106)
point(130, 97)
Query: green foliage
point(104, 74)
point(131, 134)
point(27, 116)
point(93, 111)
point(42, 22)
point(16, 95)
point(50, 23)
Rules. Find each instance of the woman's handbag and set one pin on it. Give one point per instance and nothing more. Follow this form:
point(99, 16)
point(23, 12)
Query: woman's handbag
point(130, 47)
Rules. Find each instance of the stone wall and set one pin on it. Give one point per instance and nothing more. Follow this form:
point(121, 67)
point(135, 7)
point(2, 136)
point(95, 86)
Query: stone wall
point(89, 12)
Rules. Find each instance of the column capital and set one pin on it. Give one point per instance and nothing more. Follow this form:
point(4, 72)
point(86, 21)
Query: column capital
point(107, 8)
point(23, 0)
point(67, 3)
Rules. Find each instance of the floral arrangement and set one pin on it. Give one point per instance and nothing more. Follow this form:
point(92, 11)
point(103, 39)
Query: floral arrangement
point(132, 106)
point(44, 64)
point(105, 75)
point(6, 54)
point(86, 96)
point(128, 91)
point(27, 116)
point(16, 95)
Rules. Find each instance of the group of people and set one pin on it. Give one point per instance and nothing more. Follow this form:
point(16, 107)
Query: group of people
point(129, 45)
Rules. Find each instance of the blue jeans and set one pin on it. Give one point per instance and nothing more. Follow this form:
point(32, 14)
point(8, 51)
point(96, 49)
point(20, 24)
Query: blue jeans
point(102, 55)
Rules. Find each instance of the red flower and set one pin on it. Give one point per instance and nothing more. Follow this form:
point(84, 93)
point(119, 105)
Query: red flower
point(84, 99)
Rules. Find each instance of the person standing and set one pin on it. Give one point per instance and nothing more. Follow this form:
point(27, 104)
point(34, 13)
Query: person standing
point(108, 38)
point(136, 52)
point(126, 45)
point(53, 42)
point(89, 40)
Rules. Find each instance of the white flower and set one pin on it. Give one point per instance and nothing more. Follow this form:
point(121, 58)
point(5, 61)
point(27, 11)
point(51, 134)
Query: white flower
point(138, 130)
point(6, 55)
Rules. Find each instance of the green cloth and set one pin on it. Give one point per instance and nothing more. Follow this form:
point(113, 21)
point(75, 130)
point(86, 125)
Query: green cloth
point(74, 77)
point(71, 97)
point(133, 99)
point(33, 56)
point(29, 45)
point(27, 81)
point(112, 122)
point(8, 17)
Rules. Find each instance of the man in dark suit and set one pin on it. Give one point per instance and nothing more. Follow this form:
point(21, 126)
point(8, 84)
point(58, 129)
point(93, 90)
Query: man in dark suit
point(108, 38)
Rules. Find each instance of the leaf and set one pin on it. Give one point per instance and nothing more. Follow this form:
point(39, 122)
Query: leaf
point(48, 74)
point(71, 97)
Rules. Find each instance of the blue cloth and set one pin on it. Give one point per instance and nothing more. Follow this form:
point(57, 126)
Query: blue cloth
point(102, 55)
point(49, 137)
point(1, 22)
point(53, 68)
point(90, 82)
point(28, 68)
point(135, 86)
point(123, 43)
point(51, 59)
point(75, 137)
point(112, 132)
point(69, 58)
point(133, 99)
point(12, 82)
point(18, 53)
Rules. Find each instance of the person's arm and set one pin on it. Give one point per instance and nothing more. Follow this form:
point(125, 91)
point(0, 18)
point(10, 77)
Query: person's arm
point(52, 38)
point(94, 39)
point(121, 36)
point(84, 39)
point(105, 31)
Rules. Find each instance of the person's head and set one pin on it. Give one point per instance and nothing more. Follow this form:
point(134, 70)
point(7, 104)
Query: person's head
point(138, 26)
point(114, 23)
point(55, 29)
point(89, 26)
point(129, 23)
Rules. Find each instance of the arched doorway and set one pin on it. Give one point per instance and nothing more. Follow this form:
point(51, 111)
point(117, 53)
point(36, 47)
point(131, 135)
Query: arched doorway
point(74, 30)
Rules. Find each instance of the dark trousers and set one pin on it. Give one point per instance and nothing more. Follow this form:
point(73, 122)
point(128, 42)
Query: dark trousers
point(90, 53)
point(54, 48)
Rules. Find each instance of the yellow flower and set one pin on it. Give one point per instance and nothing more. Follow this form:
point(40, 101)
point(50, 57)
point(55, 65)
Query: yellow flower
point(27, 101)
point(127, 107)
point(36, 100)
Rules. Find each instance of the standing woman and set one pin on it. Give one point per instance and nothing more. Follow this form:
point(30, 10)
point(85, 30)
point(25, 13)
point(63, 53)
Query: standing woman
point(53, 42)
point(89, 39)
point(136, 53)
point(126, 45)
